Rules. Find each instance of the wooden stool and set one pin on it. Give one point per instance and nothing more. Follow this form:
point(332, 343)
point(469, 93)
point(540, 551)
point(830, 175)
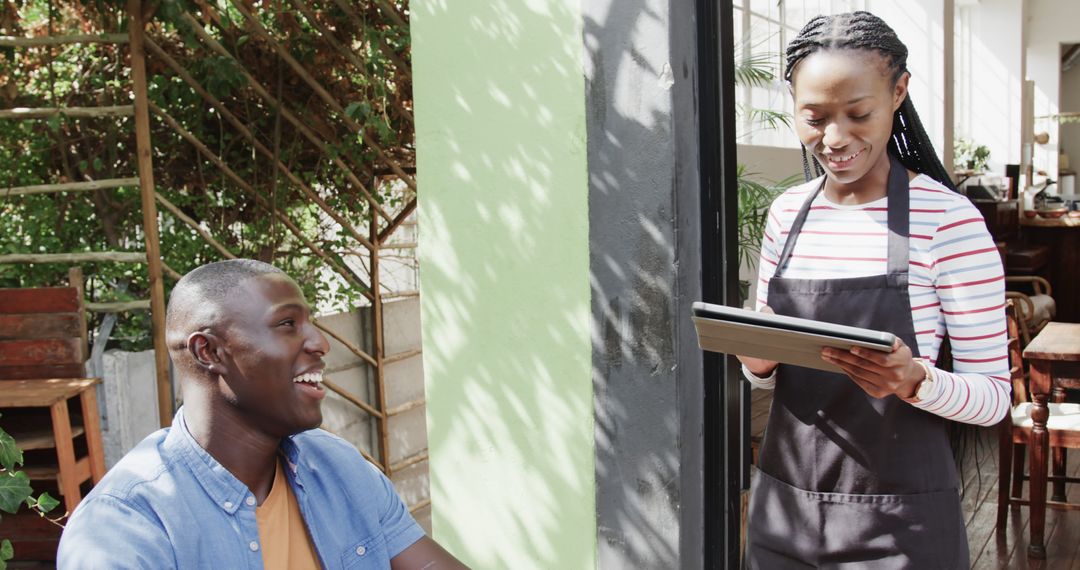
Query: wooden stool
point(54, 394)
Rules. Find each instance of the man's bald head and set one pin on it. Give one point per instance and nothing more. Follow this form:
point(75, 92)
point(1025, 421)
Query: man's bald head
point(198, 302)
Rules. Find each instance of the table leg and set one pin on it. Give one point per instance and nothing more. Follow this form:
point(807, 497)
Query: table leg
point(1059, 456)
point(65, 455)
point(1040, 413)
point(94, 446)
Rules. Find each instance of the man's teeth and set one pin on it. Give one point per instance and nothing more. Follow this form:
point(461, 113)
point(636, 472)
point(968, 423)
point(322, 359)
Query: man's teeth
point(312, 377)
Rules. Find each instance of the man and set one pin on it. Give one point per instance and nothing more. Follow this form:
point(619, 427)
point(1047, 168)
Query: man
point(243, 479)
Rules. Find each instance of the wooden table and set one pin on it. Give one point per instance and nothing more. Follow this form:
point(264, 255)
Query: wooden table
point(1058, 343)
point(54, 394)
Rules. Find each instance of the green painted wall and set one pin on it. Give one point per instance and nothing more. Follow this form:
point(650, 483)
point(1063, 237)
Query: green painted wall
point(504, 253)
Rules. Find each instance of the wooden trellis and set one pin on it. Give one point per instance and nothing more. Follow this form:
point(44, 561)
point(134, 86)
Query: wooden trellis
point(372, 236)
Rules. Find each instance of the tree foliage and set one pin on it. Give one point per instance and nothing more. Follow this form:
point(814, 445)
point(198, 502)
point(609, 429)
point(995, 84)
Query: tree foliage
point(376, 95)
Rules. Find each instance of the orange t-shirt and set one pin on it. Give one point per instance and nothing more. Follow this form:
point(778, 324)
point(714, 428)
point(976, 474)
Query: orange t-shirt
point(282, 532)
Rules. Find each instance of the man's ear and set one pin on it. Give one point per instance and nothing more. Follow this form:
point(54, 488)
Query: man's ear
point(900, 91)
point(205, 348)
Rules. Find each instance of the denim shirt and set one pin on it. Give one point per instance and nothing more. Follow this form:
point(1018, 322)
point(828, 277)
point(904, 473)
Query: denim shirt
point(169, 504)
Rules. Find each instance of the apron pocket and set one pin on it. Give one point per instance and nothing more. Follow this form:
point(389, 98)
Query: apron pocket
point(923, 531)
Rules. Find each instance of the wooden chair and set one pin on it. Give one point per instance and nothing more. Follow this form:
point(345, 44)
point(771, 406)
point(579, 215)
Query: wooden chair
point(1063, 427)
point(1033, 310)
point(42, 356)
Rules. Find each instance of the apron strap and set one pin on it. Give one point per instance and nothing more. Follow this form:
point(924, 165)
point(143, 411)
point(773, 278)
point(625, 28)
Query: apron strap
point(899, 217)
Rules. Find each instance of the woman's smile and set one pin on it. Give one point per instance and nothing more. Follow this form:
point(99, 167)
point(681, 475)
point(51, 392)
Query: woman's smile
point(837, 162)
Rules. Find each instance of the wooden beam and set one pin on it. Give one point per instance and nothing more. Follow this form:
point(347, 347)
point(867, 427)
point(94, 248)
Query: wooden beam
point(396, 410)
point(247, 134)
point(413, 460)
point(69, 187)
point(119, 307)
point(348, 345)
point(351, 399)
point(244, 185)
point(309, 134)
point(194, 225)
point(74, 112)
point(15, 41)
point(379, 346)
point(418, 506)
point(144, 149)
point(345, 51)
point(402, 355)
point(398, 220)
point(256, 26)
point(88, 257)
point(385, 49)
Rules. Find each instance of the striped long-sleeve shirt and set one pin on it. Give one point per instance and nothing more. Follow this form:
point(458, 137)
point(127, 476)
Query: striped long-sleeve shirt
point(956, 284)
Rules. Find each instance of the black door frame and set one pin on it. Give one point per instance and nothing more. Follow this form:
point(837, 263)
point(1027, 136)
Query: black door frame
point(726, 471)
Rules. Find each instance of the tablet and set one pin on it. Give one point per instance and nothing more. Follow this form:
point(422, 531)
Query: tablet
point(784, 339)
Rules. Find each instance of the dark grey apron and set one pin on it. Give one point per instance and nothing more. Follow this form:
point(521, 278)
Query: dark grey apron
point(847, 480)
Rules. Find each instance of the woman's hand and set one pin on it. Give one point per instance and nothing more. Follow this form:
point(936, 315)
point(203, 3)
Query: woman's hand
point(759, 366)
point(879, 373)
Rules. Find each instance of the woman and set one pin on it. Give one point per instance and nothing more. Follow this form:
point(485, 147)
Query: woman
point(856, 469)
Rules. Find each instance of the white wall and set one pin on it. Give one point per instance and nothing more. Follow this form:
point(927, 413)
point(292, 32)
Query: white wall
point(989, 83)
point(769, 163)
point(919, 24)
point(1070, 102)
point(1052, 22)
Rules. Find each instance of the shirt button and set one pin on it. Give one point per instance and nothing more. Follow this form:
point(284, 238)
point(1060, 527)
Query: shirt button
point(250, 501)
point(227, 505)
point(254, 546)
point(360, 551)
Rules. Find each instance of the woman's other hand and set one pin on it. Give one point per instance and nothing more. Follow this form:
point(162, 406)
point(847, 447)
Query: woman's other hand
point(879, 373)
point(759, 366)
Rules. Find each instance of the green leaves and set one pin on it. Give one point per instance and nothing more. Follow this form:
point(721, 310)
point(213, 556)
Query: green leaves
point(6, 553)
point(14, 489)
point(10, 454)
point(43, 504)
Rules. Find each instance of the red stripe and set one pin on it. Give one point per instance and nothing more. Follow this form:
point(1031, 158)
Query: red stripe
point(978, 337)
point(918, 264)
point(929, 190)
point(967, 398)
point(920, 236)
point(945, 400)
point(959, 223)
point(979, 360)
point(925, 332)
point(998, 307)
point(967, 253)
point(928, 211)
point(935, 304)
point(969, 283)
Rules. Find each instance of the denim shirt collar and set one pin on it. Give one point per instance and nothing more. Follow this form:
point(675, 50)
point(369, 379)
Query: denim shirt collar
point(219, 483)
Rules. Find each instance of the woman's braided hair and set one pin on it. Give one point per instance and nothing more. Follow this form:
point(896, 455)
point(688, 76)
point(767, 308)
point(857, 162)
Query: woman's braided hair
point(865, 31)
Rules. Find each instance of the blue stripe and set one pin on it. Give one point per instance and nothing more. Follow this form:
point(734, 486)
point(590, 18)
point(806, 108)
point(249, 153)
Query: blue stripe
point(957, 240)
point(970, 269)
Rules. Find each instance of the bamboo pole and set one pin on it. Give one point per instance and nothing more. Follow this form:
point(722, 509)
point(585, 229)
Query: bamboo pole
point(87, 257)
point(119, 307)
point(194, 225)
point(399, 219)
point(171, 272)
point(144, 148)
point(379, 350)
point(256, 26)
point(412, 460)
point(343, 50)
point(402, 355)
point(243, 130)
point(15, 41)
point(68, 187)
point(348, 345)
point(418, 506)
point(352, 399)
point(397, 410)
point(243, 184)
point(315, 139)
point(74, 112)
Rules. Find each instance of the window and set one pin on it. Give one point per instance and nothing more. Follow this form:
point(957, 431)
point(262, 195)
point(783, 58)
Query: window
point(765, 26)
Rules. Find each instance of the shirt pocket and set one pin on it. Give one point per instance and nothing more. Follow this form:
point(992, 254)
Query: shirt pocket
point(368, 553)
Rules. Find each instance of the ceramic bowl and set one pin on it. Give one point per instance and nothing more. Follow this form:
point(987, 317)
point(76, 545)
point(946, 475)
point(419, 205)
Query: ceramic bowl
point(1030, 213)
point(1053, 213)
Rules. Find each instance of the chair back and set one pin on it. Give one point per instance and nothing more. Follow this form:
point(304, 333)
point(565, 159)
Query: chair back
point(1016, 362)
point(42, 333)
